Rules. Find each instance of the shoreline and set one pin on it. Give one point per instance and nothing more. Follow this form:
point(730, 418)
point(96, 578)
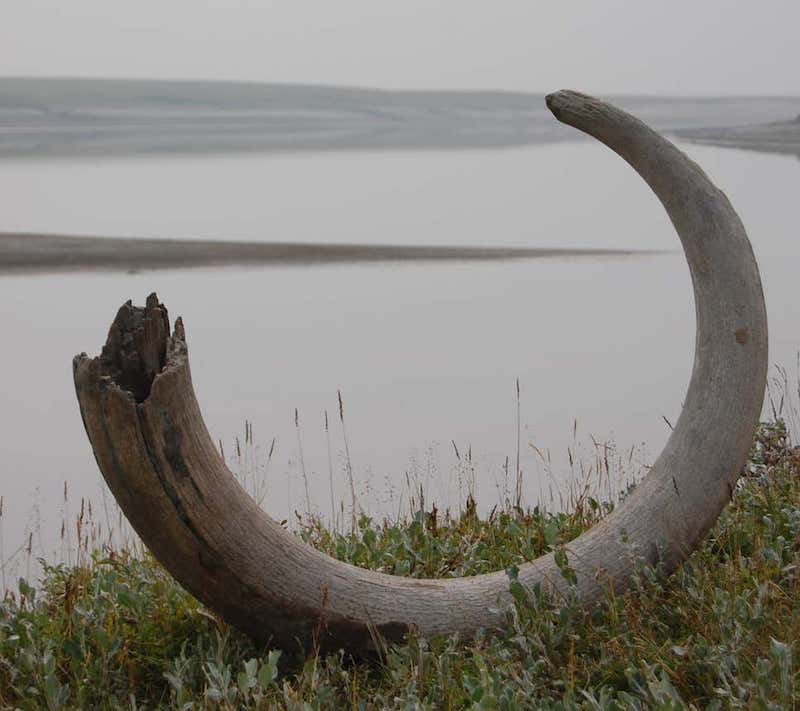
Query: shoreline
point(24, 252)
point(782, 137)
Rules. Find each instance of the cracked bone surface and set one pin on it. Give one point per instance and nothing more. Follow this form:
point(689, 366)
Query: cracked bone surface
point(152, 446)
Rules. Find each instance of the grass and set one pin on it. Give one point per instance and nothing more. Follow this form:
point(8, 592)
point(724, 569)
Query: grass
point(117, 632)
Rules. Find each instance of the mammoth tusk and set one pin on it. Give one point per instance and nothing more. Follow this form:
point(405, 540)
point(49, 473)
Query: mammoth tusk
point(152, 446)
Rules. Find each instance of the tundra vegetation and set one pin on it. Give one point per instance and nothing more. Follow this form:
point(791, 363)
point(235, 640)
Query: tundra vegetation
point(116, 631)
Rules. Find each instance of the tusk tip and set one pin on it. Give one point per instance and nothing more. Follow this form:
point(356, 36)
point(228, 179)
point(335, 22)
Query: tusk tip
point(566, 103)
point(552, 102)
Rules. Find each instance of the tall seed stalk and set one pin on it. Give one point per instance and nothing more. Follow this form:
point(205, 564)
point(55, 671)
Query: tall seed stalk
point(330, 472)
point(302, 462)
point(519, 470)
point(353, 520)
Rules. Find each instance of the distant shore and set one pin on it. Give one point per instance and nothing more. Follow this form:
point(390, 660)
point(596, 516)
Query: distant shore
point(92, 119)
point(28, 252)
point(777, 137)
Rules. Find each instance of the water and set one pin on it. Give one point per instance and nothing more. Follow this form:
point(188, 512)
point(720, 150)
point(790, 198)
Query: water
point(425, 355)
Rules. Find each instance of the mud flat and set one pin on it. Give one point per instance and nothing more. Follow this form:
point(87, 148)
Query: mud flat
point(27, 252)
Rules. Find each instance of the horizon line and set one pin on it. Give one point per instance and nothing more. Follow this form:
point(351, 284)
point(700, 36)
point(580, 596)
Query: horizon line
point(744, 94)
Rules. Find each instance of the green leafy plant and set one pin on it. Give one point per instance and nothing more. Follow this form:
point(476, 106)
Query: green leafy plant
point(116, 631)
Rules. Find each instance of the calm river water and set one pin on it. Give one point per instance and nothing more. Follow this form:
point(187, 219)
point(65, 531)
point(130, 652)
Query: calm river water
point(426, 356)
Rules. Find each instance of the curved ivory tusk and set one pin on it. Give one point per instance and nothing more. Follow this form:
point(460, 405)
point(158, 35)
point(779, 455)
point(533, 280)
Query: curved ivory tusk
point(152, 446)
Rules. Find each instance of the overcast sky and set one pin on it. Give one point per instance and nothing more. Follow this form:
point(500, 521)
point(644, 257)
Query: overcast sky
point(609, 46)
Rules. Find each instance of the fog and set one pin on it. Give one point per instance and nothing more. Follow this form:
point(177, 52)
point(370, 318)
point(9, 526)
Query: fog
point(680, 47)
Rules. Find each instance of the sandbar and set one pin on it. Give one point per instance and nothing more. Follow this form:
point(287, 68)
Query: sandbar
point(22, 252)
